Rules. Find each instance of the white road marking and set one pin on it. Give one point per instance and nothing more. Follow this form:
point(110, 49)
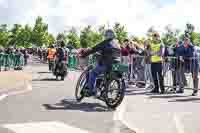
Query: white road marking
point(119, 116)
point(3, 96)
point(131, 126)
point(44, 127)
point(28, 87)
point(178, 124)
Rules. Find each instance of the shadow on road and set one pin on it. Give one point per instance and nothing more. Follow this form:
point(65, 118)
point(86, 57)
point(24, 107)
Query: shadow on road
point(165, 96)
point(135, 92)
point(45, 79)
point(67, 104)
point(43, 72)
point(186, 100)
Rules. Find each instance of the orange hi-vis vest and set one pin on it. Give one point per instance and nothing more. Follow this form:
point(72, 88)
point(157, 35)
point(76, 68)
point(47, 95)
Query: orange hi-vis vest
point(51, 53)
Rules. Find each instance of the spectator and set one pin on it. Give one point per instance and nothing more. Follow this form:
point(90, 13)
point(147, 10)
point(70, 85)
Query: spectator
point(177, 74)
point(147, 62)
point(139, 64)
point(125, 51)
point(25, 52)
point(188, 63)
point(130, 61)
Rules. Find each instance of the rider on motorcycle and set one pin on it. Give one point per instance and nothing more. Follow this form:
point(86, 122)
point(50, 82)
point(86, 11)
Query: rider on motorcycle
point(60, 54)
point(109, 50)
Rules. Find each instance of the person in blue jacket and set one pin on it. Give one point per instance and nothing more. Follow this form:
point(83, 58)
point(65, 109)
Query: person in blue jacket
point(175, 63)
point(188, 63)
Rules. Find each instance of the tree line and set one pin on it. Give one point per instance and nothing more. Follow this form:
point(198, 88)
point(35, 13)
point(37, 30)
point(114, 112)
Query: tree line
point(38, 36)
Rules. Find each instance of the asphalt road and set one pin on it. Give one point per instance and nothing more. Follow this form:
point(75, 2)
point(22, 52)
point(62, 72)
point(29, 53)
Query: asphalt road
point(50, 108)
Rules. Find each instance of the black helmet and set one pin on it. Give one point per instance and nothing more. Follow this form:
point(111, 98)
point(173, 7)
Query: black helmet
point(109, 34)
point(51, 46)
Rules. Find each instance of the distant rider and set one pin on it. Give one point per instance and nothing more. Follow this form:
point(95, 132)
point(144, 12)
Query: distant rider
point(60, 54)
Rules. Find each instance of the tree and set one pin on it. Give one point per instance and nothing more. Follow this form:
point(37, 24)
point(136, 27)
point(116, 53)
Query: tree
point(40, 33)
point(51, 39)
point(89, 37)
point(4, 35)
point(3, 28)
point(195, 37)
point(150, 31)
point(61, 37)
point(73, 38)
point(96, 37)
point(121, 32)
point(170, 35)
point(14, 36)
point(85, 38)
point(102, 29)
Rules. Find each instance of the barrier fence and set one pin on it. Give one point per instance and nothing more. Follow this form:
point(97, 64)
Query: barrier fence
point(177, 72)
point(10, 61)
point(80, 63)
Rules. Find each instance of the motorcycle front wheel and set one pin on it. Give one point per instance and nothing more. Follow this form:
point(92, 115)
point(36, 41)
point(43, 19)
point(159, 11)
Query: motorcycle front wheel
point(115, 93)
point(80, 85)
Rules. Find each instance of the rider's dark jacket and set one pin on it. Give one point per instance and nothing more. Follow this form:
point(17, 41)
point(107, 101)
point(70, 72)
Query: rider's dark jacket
point(60, 54)
point(109, 52)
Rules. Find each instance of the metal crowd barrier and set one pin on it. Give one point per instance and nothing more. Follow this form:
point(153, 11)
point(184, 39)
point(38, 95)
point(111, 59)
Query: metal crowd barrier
point(76, 62)
point(11, 61)
point(177, 72)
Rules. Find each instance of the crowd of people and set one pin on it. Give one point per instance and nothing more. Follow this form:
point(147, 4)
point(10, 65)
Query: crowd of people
point(151, 60)
point(13, 57)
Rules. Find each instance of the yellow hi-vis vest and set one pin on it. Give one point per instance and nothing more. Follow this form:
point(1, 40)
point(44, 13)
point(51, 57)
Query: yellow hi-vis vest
point(155, 47)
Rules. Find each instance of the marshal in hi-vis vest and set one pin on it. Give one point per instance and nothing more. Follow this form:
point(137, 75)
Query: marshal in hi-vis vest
point(155, 47)
point(51, 53)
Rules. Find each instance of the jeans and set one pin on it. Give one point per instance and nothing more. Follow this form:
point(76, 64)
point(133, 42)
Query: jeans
point(131, 72)
point(182, 78)
point(99, 69)
point(156, 70)
point(148, 75)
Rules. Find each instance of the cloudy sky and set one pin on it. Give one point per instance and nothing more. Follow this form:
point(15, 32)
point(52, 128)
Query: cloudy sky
point(137, 15)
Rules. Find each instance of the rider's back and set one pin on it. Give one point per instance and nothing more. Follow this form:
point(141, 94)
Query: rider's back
point(60, 54)
point(110, 51)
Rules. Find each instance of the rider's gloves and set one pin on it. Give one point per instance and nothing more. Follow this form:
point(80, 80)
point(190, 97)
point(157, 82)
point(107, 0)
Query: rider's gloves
point(85, 53)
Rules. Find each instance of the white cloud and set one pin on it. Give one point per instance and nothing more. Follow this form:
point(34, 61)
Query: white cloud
point(137, 15)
